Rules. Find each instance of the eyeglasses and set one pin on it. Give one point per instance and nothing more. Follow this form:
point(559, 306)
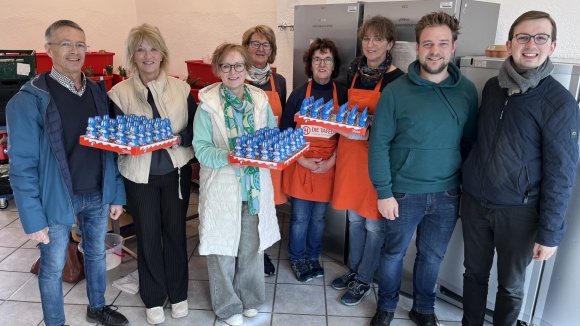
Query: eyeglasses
point(376, 40)
point(524, 38)
point(226, 67)
point(327, 60)
point(67, 46)
point(265, 45)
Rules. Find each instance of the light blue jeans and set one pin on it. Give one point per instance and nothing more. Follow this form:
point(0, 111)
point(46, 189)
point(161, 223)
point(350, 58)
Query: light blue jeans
point(237, 283)
point(366, 236)
point(92, 217)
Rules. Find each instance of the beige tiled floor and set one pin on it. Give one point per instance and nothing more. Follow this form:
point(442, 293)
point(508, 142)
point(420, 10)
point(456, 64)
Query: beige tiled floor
point(288, 302)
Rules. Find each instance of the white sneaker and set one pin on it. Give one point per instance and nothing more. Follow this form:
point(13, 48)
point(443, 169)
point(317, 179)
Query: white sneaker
point(250, 313)
point(179, 310)
point(234, 320)
point(155, 315)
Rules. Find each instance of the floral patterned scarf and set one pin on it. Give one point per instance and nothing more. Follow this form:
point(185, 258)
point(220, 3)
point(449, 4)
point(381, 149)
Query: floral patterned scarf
point(239, 116)
point(369, 77)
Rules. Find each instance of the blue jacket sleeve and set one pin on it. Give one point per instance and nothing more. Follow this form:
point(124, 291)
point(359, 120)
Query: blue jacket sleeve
point(559, 159)
point(24, 129)
point(120, 197)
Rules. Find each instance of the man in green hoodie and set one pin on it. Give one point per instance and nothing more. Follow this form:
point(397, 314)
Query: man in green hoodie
point(424, 123)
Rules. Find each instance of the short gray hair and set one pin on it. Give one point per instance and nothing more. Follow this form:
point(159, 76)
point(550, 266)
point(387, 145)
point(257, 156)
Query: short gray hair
point(58, 24)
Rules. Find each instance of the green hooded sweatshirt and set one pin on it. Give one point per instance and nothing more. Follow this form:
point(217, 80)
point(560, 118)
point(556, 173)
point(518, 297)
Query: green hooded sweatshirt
point(420, 132)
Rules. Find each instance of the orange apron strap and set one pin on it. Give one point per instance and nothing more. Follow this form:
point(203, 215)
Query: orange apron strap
point(353, 80)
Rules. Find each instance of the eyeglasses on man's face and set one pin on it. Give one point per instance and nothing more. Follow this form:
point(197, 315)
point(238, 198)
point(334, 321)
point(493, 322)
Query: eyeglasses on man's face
point(67, 46)
point(327, 60)
point(524, 38)
point(376, 40)
point(226, 67)
point(256, 45)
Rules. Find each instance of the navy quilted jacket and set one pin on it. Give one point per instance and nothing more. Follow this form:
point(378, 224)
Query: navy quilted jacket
point(526, 153)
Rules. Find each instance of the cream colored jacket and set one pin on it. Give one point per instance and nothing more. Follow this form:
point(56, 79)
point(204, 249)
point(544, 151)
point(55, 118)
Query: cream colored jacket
point(170, 96)
point(220, 199)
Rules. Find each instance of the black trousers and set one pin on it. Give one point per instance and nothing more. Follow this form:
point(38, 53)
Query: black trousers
point(512, 233)
point(159, 219)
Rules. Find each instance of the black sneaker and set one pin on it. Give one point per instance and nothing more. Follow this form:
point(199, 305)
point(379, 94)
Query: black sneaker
point(382, 318)
point(423, 319)
point(269, 268)
point(315, 269)
point(342, 282)
point(106, 316)
point(301, 270)
point(357, 290)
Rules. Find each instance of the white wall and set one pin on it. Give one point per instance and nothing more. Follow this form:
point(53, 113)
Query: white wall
point(105, 22)
point(193, 28)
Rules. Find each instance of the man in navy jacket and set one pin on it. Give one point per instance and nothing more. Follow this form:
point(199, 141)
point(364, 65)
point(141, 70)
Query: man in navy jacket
point(518, 178)
point(55, 179)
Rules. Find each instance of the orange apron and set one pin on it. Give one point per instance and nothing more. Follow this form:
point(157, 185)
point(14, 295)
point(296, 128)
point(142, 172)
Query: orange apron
point(352, 185)
point(298, 181)
point(276, 105)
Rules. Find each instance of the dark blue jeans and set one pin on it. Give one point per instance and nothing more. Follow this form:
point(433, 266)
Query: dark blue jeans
point(92, 218)
point(306, 227)
point(434, 216)
point(510, 231)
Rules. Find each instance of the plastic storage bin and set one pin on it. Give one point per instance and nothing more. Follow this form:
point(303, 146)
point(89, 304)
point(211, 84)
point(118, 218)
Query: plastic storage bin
point(201, 70)
point(17, 64)
point(114, 252)
point(96, 60)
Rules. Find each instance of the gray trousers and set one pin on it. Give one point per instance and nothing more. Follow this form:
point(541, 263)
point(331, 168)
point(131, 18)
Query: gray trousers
point(237, 283)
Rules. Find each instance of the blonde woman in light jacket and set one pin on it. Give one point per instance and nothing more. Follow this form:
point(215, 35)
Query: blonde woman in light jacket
point(158, 184)
point(235, 225)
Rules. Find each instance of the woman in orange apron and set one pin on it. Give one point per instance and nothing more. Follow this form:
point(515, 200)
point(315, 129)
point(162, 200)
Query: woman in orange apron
point(353, 191)
point(260, 41)
point(309, 181)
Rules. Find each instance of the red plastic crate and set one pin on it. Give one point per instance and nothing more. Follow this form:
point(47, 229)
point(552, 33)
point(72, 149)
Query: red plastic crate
point(118, 78)
point(201, 70)
point(108, 80)
point(96, 60)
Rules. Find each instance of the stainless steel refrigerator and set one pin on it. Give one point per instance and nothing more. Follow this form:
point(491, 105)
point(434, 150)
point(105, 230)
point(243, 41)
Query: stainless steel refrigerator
point(553, 287)
point(340, 23)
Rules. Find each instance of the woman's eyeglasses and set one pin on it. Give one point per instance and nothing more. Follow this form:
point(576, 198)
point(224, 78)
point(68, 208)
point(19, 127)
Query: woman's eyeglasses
point(226, 67)
point(265, 45)
point(327, 60)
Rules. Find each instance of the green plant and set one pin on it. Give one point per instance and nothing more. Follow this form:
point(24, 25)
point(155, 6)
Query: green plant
point(190, 80)
point(109, 70)
point(122, 71)
point(89, 71)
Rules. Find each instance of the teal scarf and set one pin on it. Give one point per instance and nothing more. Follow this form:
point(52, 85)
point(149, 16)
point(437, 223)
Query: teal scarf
point(239, 117)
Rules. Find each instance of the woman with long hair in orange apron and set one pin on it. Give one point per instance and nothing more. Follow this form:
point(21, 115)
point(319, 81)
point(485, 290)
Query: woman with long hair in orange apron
point(353, 191)
point(310, 180)
point(261, 44)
